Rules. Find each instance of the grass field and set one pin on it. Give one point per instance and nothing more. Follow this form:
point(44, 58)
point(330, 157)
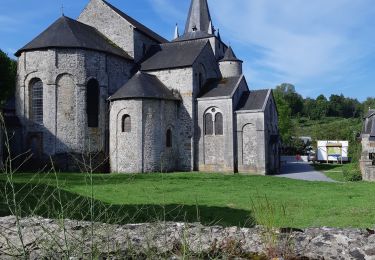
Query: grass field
point(209, 198)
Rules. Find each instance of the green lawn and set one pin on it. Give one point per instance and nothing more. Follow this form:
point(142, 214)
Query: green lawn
point(209, 198)
point(333, 171)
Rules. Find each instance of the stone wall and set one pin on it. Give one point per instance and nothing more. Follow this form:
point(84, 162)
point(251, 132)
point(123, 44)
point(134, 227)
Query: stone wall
point(251, 142)
point(366, 164)
point(65, 73)
point(230, 68)
point(44, 239)
point(216, 153)
point(143, 149)
point(271, 130)
point(181, 80)
point(126, 151)
point(100, 16)
point(158, 117)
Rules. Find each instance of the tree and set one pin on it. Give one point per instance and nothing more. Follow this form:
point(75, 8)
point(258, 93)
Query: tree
point(368, 104)
point(8, 73)
point(285, 119)
point(292, 98)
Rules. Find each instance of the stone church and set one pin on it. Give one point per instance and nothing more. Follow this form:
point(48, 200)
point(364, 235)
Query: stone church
point(367, 161)
point(106, 84)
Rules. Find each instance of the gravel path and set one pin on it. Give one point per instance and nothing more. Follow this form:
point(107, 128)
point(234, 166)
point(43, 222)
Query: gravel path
point(302, 171)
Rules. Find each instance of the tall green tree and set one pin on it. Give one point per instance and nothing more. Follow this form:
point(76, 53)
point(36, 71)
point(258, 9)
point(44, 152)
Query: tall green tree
point(8, 73)
point(285, 116)
point(368, 104)
point(291, 97)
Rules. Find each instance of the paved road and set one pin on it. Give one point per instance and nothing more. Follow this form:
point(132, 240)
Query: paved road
point(302, 171)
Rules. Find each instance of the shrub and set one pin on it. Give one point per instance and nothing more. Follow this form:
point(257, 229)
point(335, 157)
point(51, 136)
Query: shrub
point(352, 172)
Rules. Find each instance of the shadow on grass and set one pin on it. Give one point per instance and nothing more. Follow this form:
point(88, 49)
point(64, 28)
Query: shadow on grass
point(51, 202)
point(327, 167)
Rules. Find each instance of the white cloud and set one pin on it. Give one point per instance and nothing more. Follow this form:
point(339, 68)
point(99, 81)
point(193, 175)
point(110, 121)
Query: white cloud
point(299, 40)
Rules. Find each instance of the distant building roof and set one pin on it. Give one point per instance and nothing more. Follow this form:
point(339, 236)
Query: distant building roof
point(220, 87)
point(140, 27)
point(69, 33)
point(143, 85)
point(253, 100)
point(173, 55)
point(230, 56)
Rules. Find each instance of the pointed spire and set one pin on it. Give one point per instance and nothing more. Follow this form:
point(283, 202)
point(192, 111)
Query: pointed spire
point(218, 34)
point(176, 33)
point(199, 18)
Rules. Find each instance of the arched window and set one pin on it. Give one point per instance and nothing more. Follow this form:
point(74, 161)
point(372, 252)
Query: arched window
point(219, 124)
point(213, 122)
point(92, 103)
point(126, 124)
point(169, 138)
point(208, 124)
point(36, 101)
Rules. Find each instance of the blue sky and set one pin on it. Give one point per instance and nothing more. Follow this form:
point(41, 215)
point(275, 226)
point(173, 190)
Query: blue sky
point(322, 47)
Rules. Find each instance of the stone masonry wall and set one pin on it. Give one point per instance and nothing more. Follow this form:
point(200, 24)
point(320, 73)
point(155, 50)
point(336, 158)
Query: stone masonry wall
point(126, 150)
point(181, 80)
point(271, 128)
point(100, 16)
point(251, 142)
point(367, 167)
point(65, 73)
point(216, 153)
point(158, 117)
point(44, 239)
point(230, 69)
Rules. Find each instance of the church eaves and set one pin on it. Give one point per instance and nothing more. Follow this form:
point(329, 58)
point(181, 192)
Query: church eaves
point(69, 33)
point(144, 86)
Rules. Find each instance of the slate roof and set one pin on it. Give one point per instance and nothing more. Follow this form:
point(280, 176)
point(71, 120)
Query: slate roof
point(253, 100)
point(220, 88)
point(68, 33)
point(143, 85)
point(173, 55)
point(140, 27)
point(193, 35)
point(230, 56)
point(199, 16)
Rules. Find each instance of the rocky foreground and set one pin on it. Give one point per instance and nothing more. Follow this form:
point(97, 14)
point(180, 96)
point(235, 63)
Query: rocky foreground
point(53, 239)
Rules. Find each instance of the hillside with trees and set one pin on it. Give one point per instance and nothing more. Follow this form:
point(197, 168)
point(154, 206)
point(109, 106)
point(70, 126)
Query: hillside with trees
point(334, 118)
point(8, 73)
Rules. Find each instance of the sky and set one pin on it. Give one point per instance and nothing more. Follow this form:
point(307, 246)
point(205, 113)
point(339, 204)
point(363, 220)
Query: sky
point(321, 46)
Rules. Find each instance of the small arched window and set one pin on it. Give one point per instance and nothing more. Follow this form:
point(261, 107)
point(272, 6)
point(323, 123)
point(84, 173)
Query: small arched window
point(126, 124)
point(36, 101)
point(92, 103)
point(219, 124)
point(169, 138)
point(208, 124)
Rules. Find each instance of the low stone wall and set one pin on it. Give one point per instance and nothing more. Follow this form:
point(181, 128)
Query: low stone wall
point(52, 239)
